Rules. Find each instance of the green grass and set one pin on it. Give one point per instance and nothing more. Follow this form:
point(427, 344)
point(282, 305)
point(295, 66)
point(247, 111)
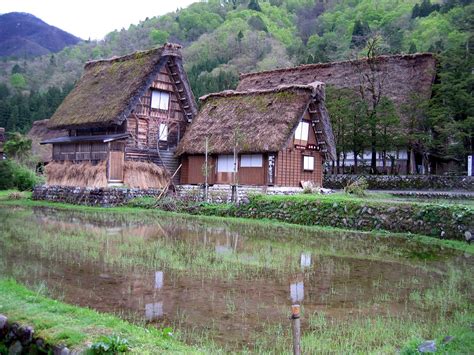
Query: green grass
point(77, 327)
point(446, 306)
point(371, 197)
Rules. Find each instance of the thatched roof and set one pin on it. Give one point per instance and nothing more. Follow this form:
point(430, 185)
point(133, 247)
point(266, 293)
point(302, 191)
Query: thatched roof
point(403, 75)
point(40, 132)
point(110, 89)
point(259, 121)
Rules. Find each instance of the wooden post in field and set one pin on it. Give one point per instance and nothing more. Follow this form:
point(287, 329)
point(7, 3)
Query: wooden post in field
point(295, 320)
point(206, 185)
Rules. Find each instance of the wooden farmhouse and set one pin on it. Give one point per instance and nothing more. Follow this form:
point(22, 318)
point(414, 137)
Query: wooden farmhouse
point(275, 137)
point(406, 80)
point(124, 118)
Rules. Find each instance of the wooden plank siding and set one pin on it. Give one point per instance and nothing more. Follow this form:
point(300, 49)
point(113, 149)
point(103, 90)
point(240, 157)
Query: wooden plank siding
point(289, 168)
point(144, 122)
point(83, 151)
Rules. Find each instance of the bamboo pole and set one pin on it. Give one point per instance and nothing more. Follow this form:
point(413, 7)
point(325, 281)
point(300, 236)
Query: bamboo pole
point(296, 323)
point(169, 182)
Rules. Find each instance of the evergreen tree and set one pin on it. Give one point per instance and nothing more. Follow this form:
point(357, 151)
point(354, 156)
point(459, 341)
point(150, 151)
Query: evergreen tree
point(254, 5)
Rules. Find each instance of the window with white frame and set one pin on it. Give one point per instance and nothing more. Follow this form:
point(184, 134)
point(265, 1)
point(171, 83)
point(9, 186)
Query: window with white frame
point(302, 131)
point(163, 132)
point(160, 99)
point(225, 164)
point(251, 161)
point(308, 163)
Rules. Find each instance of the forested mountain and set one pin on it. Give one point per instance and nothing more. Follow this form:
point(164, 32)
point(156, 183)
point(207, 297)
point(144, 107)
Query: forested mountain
point(24, 35)
point(224, 37)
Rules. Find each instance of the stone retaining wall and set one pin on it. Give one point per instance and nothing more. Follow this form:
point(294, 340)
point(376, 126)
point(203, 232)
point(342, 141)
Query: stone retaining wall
point(19, 339)
point(441, 221)
point(105, 197)
point(223, 193)
point(403, 182)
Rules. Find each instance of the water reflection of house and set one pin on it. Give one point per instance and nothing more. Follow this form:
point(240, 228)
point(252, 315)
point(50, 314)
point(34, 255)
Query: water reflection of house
point(124, 119)
point(279, 136)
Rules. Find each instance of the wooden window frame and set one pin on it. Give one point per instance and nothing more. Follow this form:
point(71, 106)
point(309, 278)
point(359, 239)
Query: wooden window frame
point(160, 92)
point(254, 161)
point(163, 132)
point(302, 126)
point(312, 163)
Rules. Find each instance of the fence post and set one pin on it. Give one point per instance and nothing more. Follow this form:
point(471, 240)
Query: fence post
point(295, 319)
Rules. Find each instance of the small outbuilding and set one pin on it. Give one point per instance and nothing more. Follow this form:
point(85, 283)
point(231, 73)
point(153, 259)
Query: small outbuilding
point(124, 119)
point(275, 137)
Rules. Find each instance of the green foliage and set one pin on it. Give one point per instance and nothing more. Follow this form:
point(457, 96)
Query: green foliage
point(224, 38)
point(17, 146)
point(18, 81)
point(15, 175)
point(358, 187)
point(112, 344)
point(158, 36)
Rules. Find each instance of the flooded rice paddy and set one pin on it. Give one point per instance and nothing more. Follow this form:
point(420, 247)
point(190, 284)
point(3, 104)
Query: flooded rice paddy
point(224, 282)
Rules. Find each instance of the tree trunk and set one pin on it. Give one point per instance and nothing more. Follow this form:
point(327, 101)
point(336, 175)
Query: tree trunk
point(373, 147)
point(355, 162)
point(412, 163)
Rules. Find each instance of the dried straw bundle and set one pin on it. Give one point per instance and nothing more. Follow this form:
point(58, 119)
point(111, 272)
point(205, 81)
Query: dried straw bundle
point(136, 174)
point(82, 174)
point(144, 175)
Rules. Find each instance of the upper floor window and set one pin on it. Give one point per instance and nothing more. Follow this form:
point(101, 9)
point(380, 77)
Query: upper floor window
point(302, 131)
point(160, 99)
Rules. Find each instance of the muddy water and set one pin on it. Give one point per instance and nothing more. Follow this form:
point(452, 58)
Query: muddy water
point(227, 281)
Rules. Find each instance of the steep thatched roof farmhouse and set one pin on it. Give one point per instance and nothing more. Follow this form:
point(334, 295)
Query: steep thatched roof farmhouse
point(279, 136)
point(40, 132)
point(402, 75)
point(406, 80)
point(124, 118)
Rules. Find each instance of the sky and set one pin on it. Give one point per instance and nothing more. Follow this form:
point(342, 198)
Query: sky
point(92, 18)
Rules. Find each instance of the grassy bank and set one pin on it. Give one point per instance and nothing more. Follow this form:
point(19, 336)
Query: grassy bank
point(219, 212)
point(76, 327)
point(446, 221)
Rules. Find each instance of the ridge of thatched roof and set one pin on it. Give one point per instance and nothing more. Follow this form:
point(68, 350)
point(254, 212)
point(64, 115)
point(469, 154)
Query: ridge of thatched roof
point(110, 89)
point(405, 74)
point(39, 132)
point(259, 121)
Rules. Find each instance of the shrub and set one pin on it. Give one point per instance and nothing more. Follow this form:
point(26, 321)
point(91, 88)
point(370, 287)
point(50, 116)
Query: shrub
point(112, 344)
point(15, 175)
point(6, 175)
point(170, 203)
point(358, 187)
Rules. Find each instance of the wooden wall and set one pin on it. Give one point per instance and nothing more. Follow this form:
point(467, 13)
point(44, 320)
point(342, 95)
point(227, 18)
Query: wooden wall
point(84, 151)
point(143, 123)
point(192, 170)
point(289, 167)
